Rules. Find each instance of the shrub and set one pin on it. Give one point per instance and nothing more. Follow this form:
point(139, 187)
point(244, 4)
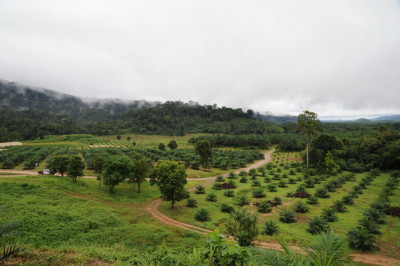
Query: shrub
point(317, 225)
point(329, 214)
point(226, 208)
point(243, 179)
point(301, 188)
point(370, 225)
point(211, 197)
point(271, 228)
point(217, 186)
point(267, 180)
point(242, 200)
point(339, 206)
point(220, 178)
point(277, 201)
point(242, 173)
point(231, 175)
point(309, 183)
point(228, 193)
point(285, 176)
point(292, 181)
point(232, 183)
point(289, 195)
point(202, 215)
point(256, 183)
point(375, 215)
point(348, 200)
point(291, 172)
point(287, 216)
point(200, 190)
point(360, 238)
point(192, 203)
point(313, 200)
point(282, 184)
point(322, 193)
point(276, 177)
point(258, 193)
point(271, 188)
point(264, 207)
point(301, 207)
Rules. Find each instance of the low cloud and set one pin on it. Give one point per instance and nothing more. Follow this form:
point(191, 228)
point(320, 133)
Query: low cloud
point(337, 58)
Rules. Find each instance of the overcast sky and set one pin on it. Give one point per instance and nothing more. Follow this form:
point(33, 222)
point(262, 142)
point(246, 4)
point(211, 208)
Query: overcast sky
point(337, 58)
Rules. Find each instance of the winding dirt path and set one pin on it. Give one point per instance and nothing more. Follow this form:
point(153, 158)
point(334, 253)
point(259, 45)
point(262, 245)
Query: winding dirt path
point(154, 209)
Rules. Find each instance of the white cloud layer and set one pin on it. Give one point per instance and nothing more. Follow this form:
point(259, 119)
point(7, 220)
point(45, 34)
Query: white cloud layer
point(338, 58)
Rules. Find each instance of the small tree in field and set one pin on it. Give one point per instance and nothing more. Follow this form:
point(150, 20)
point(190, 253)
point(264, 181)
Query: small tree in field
point(161, 147)
point(116, 169)
point(75, 167)
point(59, 163)
point(242, 226)
point(141, 172)
point(172, 145)
point(170, 177)
point(204, 149)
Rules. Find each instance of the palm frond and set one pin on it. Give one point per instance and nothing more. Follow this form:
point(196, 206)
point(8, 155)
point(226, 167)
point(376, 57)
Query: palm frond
point(7, 228)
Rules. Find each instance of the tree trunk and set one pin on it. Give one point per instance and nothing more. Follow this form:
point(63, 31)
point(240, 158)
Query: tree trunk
point(172, 203)
point(307, 147)
point(138, 186)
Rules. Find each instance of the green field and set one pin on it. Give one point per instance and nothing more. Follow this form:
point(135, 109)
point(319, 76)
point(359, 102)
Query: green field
point(83, 222)
point(292, 232)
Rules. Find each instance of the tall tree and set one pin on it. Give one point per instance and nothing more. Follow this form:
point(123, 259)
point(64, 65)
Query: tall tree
point(308, 124)
point(204, 149)
point(141, 172)
point(75, 167)
point(170, 177)
point(59, 163)
point(116, 169)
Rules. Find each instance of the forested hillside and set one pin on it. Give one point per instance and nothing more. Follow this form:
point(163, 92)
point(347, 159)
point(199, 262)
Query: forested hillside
point(28, 113)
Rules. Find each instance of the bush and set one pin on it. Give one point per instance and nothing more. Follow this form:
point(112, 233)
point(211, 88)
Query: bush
point(220, 178)
point(242, 226)
point(242, 200)
point(287, 216)
point(375, 215)
point(256, 183)
point(301, 188)
point(228, 193)
point(232, 175)
point(202, 215)
point(192, 203)
point(258, 193)
point(348, 200)
point(267, 180)
point(282, 184)
point(292, 181)
point(271, 228)
point(264, 207)
point(289, 195)
point(322, 193)
point(200, 190)
point(277, 201)
point(301, 207)
point(211, 197)
point(309, 183)
point(329, 214)
point(339, 206)
point(217, 186)
point(313, 200)
point(360, 238)
point(226, 208)
point(243, 179)
point(317, 225)
point(370, 225)
point(291, 172)
point(271, 188)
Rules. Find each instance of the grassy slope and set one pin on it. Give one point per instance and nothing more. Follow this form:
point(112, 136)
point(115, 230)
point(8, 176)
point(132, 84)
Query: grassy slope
point(84, 218)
